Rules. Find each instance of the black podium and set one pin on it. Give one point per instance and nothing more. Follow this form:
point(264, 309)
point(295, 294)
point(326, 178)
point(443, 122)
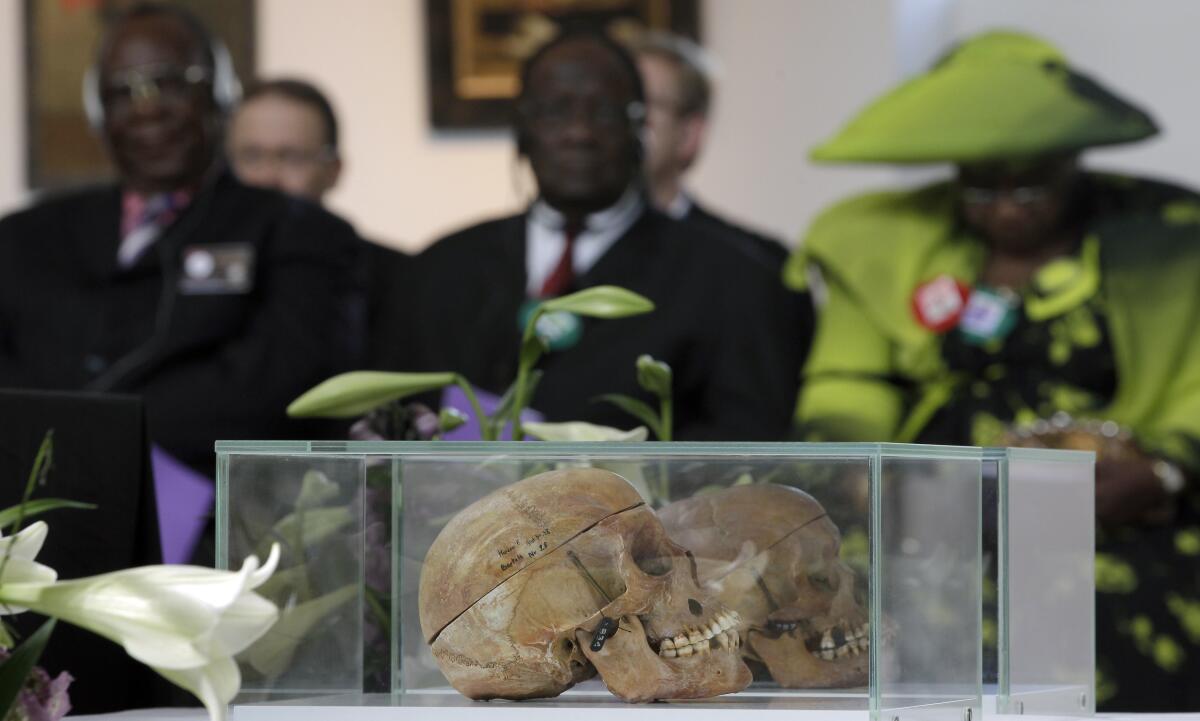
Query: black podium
point(101, 456)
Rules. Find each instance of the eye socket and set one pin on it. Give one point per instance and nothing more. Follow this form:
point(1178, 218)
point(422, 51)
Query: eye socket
point(652, 552)
point(821, 581)
point(653, 563)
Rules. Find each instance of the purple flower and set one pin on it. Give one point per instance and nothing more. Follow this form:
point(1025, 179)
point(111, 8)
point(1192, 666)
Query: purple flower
point(42, 698)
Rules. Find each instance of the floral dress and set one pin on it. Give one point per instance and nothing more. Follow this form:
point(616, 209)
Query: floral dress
point(1147, 576)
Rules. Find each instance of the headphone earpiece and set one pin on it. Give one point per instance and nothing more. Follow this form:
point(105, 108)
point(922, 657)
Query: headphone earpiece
point(520, 126)
point(93, 107)
point(226, 88)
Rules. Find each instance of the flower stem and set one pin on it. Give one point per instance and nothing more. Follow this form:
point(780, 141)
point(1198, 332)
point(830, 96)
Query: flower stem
point(37, 476)
point(666, 418)
point(525, 361)
point(485, 428)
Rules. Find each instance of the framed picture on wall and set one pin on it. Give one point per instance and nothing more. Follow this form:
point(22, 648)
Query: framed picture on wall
point(476, 47)
point(61, 39)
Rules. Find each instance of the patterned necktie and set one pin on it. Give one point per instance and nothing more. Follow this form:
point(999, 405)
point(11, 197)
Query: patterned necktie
point(560, 279)
point(143, 219)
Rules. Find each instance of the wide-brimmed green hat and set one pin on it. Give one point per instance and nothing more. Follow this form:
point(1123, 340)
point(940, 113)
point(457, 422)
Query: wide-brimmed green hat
point(998, 96)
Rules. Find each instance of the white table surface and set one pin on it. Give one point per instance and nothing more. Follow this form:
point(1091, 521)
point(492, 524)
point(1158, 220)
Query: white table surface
point(198, 714)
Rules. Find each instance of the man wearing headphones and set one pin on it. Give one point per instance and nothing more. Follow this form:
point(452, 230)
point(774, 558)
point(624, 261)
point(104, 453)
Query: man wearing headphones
point(720, 320)
point(216, 302)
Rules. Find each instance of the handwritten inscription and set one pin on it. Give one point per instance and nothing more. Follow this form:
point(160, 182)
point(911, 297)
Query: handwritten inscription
point(524, 549)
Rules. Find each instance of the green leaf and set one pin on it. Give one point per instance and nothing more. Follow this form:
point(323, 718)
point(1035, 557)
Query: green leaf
point(602, 301)
point(635, 408)
point(378, 604)
point(350, 395)
point(272, 654)
point(16, 667)
point(654, 376)
point(305, 528)
point(39, 506)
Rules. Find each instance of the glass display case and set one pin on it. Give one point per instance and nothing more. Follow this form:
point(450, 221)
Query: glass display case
point(804, 580)
point(1046, 600)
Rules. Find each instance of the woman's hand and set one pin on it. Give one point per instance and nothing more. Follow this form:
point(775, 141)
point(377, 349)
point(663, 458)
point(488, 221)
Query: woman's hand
point(1129, 491)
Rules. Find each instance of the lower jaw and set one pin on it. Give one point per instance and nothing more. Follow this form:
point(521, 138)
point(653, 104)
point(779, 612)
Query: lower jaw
point(792, 665)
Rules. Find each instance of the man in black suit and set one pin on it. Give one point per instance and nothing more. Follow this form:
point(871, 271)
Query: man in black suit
point(678, 79)
point(722, 319)
point(216, 302)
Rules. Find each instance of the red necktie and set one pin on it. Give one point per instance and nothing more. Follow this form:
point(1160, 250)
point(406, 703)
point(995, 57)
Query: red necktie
point(560, 279)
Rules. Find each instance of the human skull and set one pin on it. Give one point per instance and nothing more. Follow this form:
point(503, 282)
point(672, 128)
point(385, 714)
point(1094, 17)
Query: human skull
point(770, 553)
point(519, 587)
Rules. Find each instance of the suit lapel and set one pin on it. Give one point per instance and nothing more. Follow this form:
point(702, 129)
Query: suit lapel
point(631, 257)
point(96, 232)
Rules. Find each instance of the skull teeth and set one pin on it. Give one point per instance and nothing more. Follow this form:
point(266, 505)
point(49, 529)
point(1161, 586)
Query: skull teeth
point(719, 633)
point(841, 641)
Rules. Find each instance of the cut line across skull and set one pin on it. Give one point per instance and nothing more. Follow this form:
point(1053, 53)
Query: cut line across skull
point(566, 574)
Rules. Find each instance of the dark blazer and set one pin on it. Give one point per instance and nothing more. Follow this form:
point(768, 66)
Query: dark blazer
point(218, 365)
point(772, 250)
point(723, 322)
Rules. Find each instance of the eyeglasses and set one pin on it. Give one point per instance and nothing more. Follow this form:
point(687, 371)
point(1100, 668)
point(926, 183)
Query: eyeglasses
point(251, 157)
point(558, 112)
point(170, 84)
point(1023, 196)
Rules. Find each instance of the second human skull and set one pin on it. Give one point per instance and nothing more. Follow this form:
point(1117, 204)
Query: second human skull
point(770, 552)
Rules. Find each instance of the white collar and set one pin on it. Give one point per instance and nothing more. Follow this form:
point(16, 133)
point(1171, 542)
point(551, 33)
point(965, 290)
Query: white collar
point(544, 238)
point(679, 206)
point(620, 213)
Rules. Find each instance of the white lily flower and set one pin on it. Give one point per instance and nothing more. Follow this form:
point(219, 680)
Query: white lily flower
point(186, 622)
point(20, 550)
point(582, 431)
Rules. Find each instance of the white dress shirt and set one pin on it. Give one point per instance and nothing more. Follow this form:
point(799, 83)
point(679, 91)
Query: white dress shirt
point(680, 206)
point(544, 237)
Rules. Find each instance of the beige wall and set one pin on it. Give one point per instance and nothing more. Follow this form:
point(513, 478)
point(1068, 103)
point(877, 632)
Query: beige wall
point(402, 183)
point(12, 133)
point(792, 71)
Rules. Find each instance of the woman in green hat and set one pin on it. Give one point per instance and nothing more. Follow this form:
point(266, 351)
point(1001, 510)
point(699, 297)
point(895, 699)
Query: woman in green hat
point(1028, 299)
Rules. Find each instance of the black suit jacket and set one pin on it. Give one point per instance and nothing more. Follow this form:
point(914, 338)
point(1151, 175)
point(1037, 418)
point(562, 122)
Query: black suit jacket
point(723, 322)
point(210, 366)
point(772, 250)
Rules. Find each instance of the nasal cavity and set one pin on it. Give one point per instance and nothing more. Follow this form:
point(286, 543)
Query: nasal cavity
point(695, 607)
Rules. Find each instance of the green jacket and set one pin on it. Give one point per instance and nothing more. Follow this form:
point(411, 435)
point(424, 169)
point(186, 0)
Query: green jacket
point(876, 374)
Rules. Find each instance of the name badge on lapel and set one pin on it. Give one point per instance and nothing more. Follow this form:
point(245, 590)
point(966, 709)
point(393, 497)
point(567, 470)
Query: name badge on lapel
point(217, 269)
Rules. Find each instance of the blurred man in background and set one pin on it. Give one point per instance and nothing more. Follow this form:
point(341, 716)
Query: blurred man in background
point(284, 135)
point(677, 75)
point(216, 302)
point(720, 320)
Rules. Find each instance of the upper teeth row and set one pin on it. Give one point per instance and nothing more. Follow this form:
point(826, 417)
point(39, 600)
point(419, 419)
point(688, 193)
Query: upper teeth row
point(723, 628)
point(857, 640)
